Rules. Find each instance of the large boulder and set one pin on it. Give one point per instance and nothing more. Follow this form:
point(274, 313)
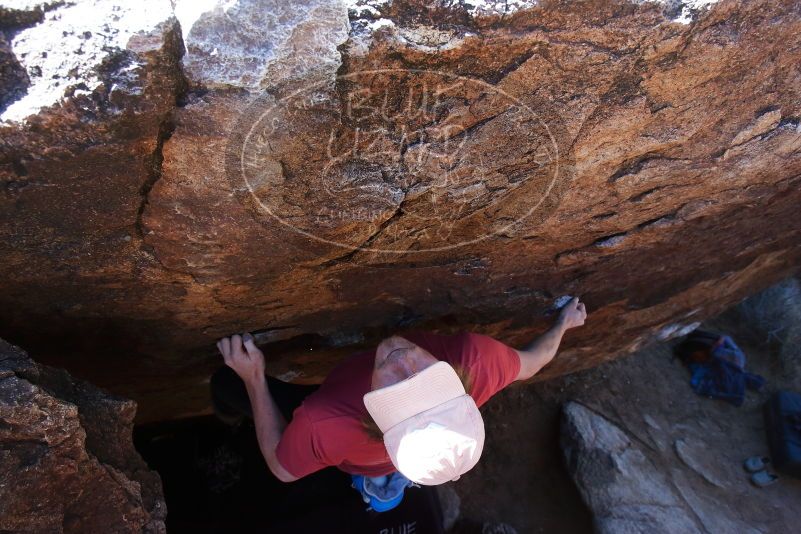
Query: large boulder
point(626, 493)
point(67, 462)
point(324, 173)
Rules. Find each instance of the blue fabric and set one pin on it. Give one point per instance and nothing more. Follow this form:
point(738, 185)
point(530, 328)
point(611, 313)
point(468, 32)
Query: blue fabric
point(727, 350)
point(721, 379)
point(382, 493)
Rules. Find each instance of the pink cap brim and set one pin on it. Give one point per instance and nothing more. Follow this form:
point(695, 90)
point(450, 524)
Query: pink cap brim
point(434, 385)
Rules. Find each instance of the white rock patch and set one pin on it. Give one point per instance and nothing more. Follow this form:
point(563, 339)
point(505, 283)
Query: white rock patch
point(66, 49)
point(684, 11)
point(498, 7)
point(255, 44)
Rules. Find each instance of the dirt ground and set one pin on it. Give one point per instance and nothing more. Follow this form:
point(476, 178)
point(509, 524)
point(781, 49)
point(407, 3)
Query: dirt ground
point(521, 484)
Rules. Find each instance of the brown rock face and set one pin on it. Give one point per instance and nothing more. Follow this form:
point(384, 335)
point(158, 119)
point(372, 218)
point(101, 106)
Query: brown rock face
point(453, 169)
point(68, 463)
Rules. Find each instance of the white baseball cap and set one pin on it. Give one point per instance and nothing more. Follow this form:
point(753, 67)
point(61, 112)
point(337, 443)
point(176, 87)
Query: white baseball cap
point(432, 428)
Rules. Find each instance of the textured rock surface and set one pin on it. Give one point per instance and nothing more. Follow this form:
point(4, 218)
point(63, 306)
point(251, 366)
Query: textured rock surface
point(67, 462)
point(256, 44)
point(617, 481)
point(357, 170)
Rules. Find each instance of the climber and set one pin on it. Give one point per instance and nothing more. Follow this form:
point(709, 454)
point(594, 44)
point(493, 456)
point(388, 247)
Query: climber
point(404, 413)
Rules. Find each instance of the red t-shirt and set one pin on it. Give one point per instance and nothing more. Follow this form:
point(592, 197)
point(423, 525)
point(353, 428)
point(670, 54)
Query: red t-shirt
point(326, 430)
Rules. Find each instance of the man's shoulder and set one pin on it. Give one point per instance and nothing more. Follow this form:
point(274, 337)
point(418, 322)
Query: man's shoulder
point(322, 413)
point(462, 344)
point(332, 431)
point(491, 365)
point(338, 401)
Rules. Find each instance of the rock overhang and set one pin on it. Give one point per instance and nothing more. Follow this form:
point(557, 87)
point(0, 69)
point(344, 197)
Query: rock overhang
point(127, 226)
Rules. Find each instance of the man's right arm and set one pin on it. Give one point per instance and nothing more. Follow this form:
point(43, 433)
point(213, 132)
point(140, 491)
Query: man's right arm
point(248, 362)
point(270, 426)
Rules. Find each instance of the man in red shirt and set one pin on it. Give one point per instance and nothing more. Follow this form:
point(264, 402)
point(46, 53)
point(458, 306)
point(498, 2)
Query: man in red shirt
point(412, 388)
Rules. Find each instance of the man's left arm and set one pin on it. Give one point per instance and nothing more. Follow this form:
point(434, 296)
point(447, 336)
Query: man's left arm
point(541, 351)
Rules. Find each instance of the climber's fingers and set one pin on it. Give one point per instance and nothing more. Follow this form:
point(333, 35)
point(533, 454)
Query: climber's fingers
point(225, 350)
point(571, 306)
point(238, 348)
point(250, 345)
point(236, 344)
point(573, 314)
point(225, 347)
